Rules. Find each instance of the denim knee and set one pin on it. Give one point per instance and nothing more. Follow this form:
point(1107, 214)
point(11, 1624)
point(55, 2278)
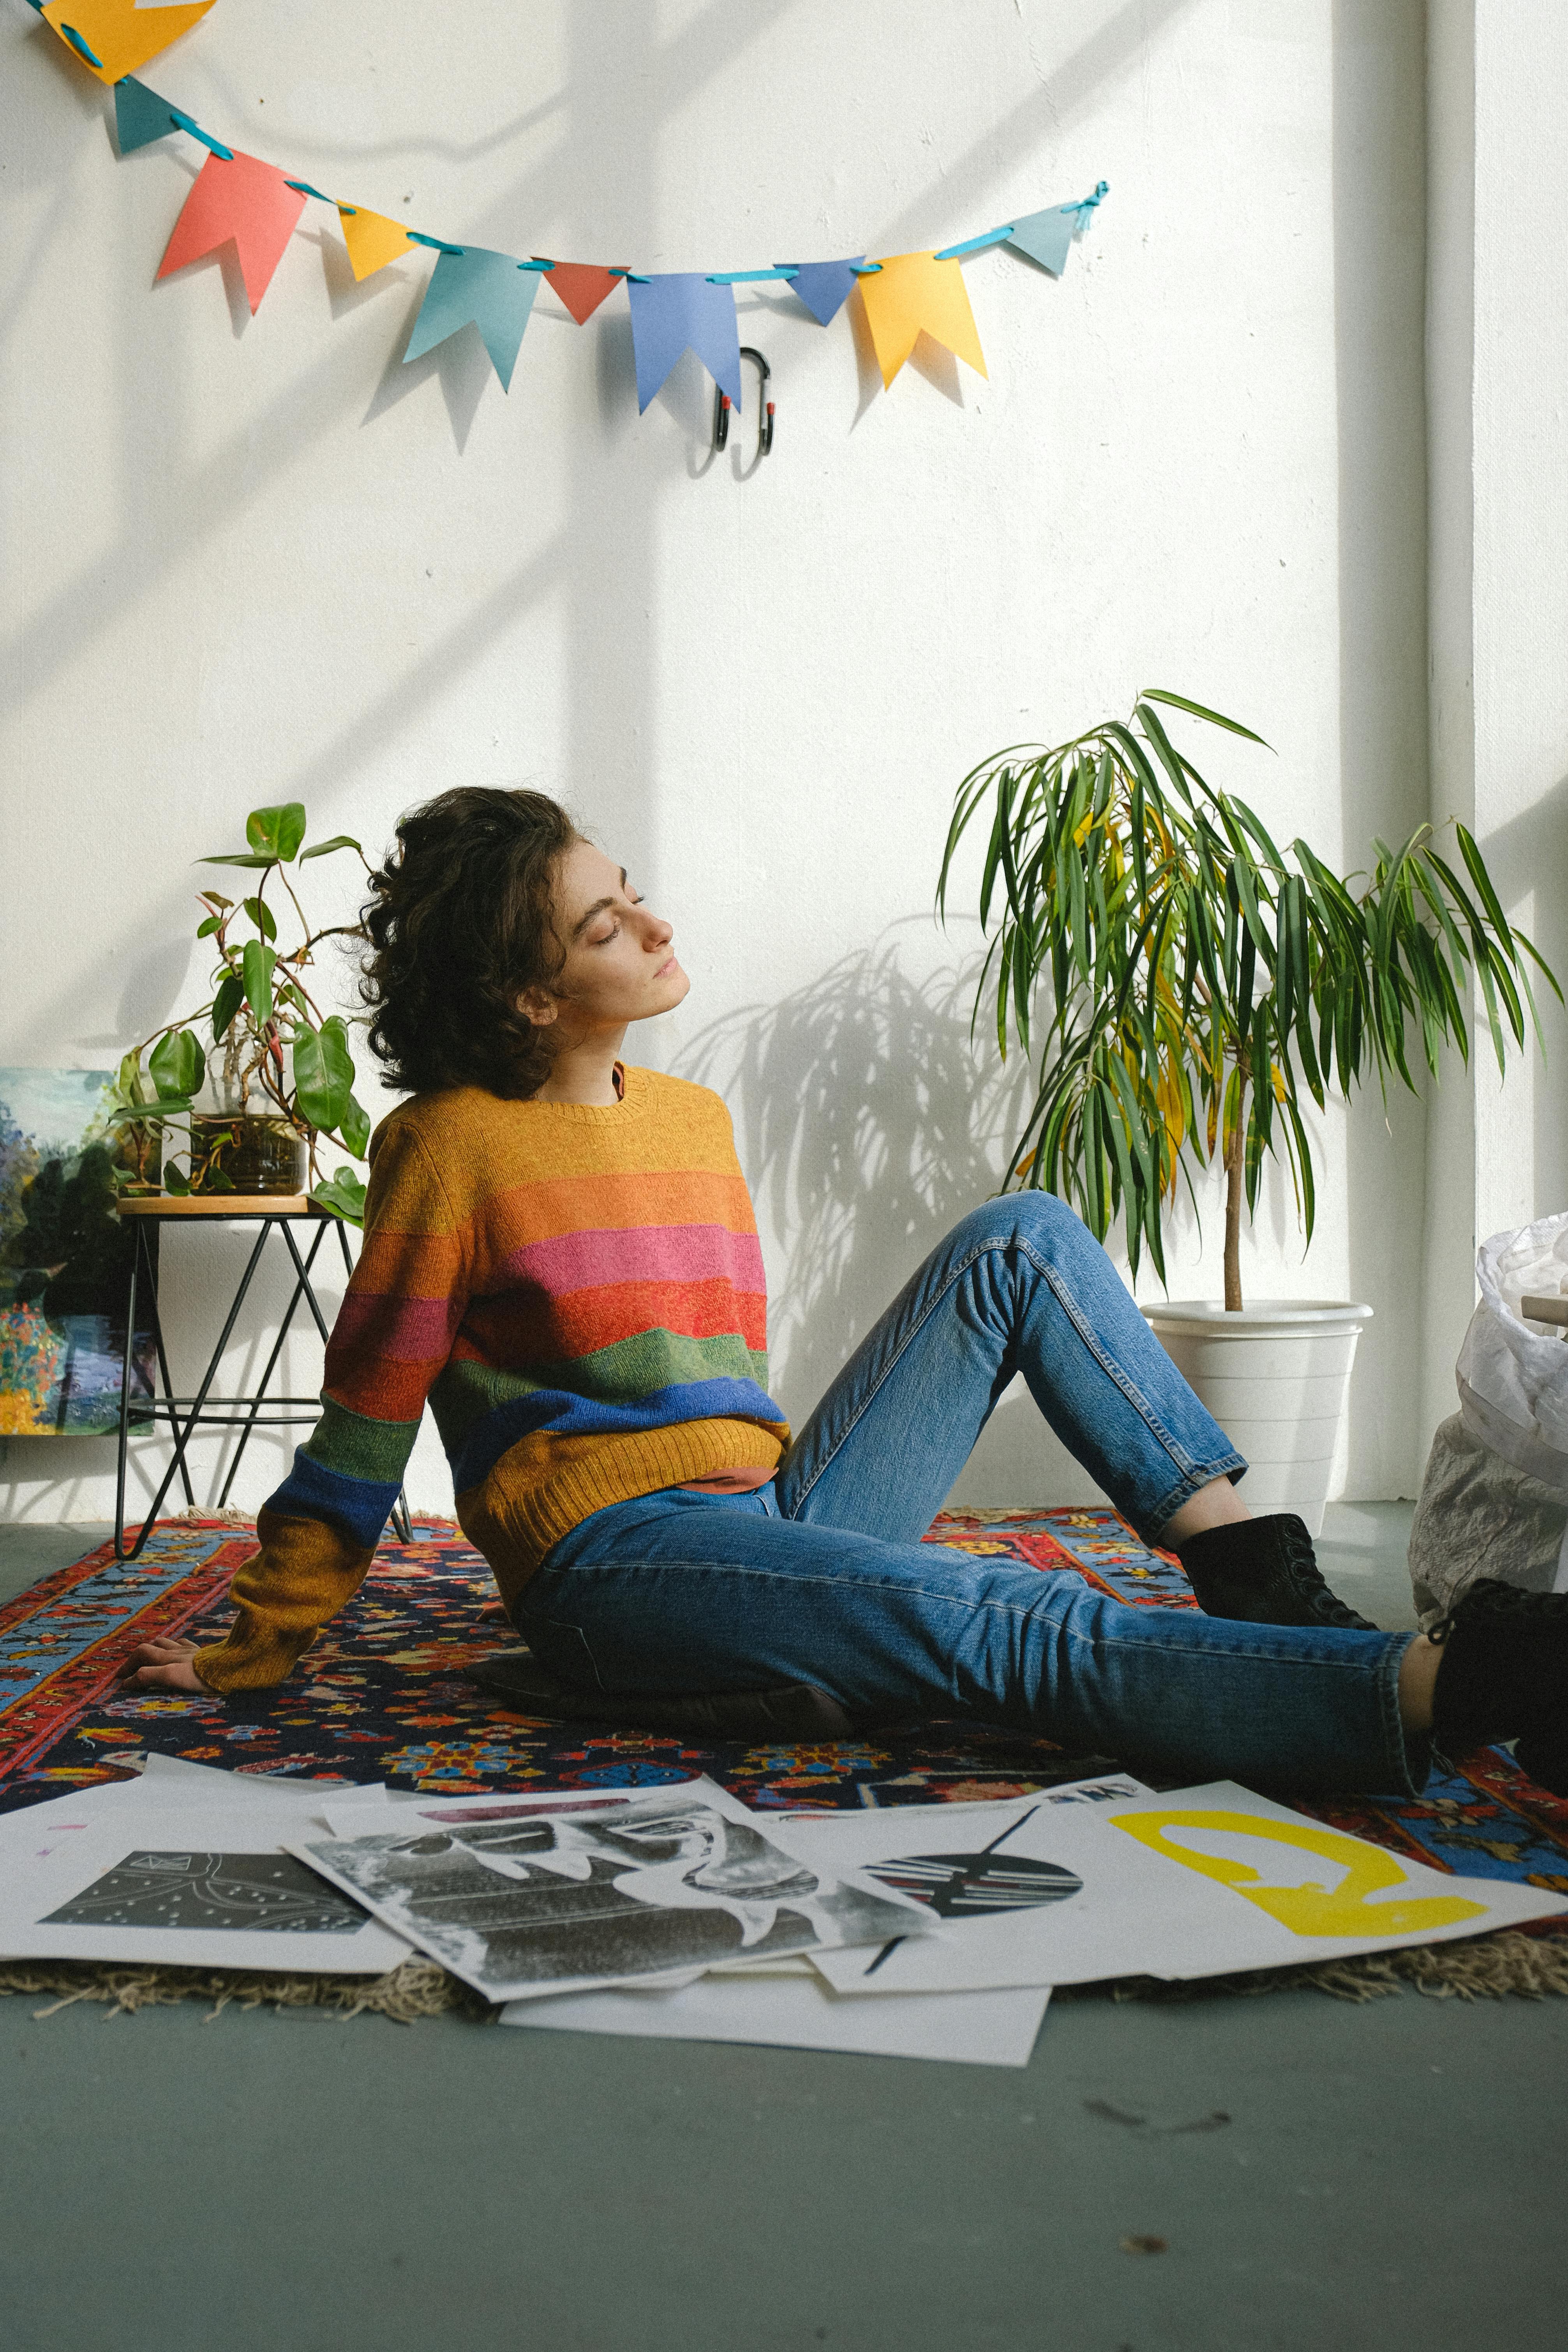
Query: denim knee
point(1039, 1219)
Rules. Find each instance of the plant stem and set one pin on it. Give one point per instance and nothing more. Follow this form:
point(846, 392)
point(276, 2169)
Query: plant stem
point(1235, 1176)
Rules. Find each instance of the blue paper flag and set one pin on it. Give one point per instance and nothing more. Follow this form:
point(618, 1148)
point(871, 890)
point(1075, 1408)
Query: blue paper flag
point(1045, 237)
point(679, 312)
point(476, 288)
point(140, 115)
point(823, 285)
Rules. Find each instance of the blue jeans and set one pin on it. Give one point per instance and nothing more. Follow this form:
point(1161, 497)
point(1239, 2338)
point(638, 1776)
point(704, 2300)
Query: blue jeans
point(821, 1577)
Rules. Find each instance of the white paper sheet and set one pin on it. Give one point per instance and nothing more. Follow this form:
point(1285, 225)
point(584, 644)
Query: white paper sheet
point(523, 1896)
point(975, 2028)
point(1297, 1890)
point(1191, 1888)
point(200, 1884)
point(1031, 1890)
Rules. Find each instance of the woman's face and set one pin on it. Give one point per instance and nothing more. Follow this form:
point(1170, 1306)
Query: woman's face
point(620, 964)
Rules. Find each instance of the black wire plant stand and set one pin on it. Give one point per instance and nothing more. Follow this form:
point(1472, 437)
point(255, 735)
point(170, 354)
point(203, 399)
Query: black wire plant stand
point(141, 1404)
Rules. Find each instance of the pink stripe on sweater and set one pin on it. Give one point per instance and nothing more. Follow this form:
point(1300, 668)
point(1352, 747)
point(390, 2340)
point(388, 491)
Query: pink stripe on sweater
point(587, 1261)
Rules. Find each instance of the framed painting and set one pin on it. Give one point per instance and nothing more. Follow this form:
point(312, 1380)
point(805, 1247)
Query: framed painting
point(65, 1260)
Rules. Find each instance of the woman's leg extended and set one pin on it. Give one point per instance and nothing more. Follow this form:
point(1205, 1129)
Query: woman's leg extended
point(683, 1592)
point(1020, 1286)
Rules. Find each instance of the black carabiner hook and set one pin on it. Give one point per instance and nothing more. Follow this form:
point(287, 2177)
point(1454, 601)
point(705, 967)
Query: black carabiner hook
point(721, 405)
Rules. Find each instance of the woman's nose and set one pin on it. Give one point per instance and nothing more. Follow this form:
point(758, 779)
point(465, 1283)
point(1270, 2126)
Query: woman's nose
point(659, 932)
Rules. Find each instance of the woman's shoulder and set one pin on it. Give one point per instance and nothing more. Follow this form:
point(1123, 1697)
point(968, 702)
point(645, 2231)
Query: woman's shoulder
point(678, 1098)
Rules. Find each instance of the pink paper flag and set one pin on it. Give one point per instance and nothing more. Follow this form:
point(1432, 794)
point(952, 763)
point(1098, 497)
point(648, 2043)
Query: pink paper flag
point(243, 202)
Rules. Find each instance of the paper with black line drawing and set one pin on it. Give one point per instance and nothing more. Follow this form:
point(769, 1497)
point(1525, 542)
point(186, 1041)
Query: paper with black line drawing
point(1030, 1890)
point(975, 2028)
point(522, 1896)
point(199, 1885)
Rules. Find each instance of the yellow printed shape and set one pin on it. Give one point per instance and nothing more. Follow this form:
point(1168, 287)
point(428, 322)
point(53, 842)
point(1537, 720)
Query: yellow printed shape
point(121, 36)
point(371, 239)
point(913, 294)
point(1310, 1910)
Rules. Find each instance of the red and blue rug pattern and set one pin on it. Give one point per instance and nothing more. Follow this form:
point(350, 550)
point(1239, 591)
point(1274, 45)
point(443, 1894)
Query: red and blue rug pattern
point(383, 1695)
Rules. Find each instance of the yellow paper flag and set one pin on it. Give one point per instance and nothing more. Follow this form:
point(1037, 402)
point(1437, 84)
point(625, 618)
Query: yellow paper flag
point(914, 294)
point(114, 37)
point(371, 239)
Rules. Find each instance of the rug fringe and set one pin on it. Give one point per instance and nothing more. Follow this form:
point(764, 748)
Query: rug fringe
point(1485, 1967)
point(416, 1987)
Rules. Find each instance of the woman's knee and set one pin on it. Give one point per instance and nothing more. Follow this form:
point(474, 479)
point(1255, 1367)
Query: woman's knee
point(1040, 1220)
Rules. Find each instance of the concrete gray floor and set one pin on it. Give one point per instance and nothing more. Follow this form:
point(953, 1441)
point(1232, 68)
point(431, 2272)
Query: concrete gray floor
point(1388, 2175)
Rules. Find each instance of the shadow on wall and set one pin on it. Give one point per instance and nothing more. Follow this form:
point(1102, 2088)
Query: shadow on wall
point(867, 1123)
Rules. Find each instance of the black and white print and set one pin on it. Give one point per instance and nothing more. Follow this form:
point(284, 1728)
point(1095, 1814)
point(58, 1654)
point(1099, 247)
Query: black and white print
point(239, 1893)
point(640, 1889)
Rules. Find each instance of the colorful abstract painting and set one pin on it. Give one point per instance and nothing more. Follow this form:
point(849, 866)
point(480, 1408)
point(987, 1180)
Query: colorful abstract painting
point(65, 1259)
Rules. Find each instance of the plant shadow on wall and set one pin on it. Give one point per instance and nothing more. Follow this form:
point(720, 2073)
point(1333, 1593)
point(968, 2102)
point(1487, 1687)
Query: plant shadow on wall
point(866, 1124)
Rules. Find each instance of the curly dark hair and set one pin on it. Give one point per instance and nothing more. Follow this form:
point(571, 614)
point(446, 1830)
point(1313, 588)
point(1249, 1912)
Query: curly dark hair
point(460, 922)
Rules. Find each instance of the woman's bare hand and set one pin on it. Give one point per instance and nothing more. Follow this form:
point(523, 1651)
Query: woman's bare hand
point(164, 1665)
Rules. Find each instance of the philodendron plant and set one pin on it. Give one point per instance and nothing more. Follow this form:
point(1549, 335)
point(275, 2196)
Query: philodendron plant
point(1185, 982)
point(281, 1059)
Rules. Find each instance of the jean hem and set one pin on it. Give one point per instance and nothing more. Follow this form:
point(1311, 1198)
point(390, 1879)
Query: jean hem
point(1230, 1465)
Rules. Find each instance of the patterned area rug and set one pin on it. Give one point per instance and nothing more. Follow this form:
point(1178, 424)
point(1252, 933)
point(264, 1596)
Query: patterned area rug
point(384, 1696)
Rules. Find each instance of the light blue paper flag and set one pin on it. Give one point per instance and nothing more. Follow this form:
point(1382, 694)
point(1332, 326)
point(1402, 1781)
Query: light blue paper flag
point(1047, 236)
point(683, 311)
point(471, 287)
point(140, 115)
point(823, 285)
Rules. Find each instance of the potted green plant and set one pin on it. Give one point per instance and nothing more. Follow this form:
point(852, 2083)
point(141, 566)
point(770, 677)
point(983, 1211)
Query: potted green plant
point(1184, 985)
point(275, 1077)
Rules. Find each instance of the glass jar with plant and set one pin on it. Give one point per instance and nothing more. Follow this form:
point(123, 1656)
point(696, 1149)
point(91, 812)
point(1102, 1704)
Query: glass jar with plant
point(277, 1077)
point(1186, 984)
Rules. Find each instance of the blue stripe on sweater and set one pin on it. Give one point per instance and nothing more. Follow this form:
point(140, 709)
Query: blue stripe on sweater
point(565, 1416)
point(356, 1505)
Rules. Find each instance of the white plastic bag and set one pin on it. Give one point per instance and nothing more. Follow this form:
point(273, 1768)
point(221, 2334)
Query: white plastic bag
point(1494, 1499)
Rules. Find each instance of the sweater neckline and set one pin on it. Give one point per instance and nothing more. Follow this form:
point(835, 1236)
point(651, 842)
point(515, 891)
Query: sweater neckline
point(632, 1105)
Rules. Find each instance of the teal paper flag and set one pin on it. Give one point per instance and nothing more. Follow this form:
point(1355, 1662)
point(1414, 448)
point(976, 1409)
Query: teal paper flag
point(474, 288)
point(1047, 237)
point(140, 115)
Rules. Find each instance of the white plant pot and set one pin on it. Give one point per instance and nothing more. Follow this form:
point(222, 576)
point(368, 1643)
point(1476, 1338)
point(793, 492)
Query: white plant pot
point(1275, 1376)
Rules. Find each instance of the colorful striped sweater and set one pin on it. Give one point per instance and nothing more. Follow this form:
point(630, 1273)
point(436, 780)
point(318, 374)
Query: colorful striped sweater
point(578, 1294)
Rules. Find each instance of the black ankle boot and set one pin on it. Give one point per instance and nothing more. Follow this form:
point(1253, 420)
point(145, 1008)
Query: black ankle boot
point(1504, 1675)
point(1264, 1570)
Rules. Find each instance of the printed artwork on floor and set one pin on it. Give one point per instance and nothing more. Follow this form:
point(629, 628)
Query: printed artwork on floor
point(968, 1885)
point(635, 1889)
point(245, 1893)
point(65, 1259)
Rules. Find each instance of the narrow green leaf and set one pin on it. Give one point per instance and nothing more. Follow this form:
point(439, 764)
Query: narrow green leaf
point(325, 848)
point(260, 914)
point(257, 963)
point(1199, 710)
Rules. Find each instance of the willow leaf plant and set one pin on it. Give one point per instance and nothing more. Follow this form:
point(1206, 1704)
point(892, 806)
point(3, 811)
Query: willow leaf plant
point(280, 1059)
point(1184, 985)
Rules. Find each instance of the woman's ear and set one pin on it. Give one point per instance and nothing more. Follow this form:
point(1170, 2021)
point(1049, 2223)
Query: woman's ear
point(536, 1004)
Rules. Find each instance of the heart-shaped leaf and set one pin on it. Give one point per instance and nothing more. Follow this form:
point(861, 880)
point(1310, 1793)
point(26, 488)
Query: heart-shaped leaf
point(278, 831)
point(177, 1064)
point(324, 1073)
point(345, 1196)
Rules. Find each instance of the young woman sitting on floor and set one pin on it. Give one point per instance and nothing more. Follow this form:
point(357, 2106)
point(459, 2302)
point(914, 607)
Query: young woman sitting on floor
point(560, 1256)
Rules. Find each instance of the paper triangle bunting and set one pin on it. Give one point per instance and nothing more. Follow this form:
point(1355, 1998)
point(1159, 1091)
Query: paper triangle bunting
point(114, 37)
point(140, 116)
point(241, 201)
point(914, 294)
point(475, 287)
point(1047, 237)
point(823, 286)
point(371, 239)
point(582, 286)
point(680, 311)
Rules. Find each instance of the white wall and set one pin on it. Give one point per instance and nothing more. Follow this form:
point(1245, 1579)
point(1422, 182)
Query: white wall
point(248, 560)
point(1497, 358)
